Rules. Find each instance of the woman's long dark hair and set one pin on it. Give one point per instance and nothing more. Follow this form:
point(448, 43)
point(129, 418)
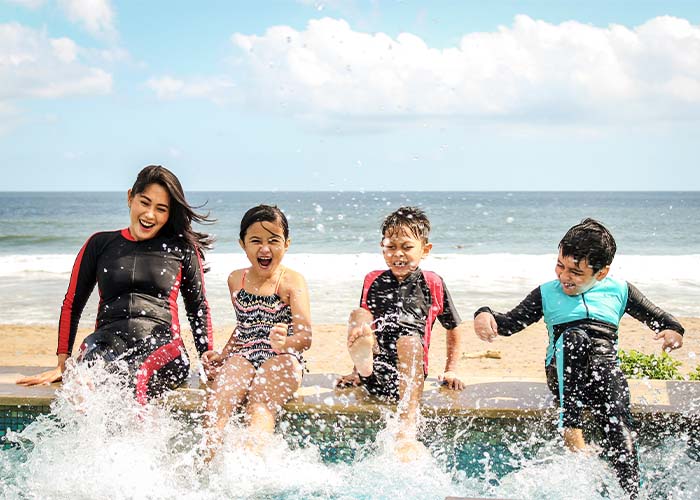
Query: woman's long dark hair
point(181, 213)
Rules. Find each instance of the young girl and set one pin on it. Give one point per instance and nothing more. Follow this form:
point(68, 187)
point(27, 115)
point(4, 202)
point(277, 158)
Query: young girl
point(261, 365)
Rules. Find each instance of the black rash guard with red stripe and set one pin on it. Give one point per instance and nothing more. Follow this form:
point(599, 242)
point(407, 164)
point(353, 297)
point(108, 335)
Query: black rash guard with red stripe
point(139, 282)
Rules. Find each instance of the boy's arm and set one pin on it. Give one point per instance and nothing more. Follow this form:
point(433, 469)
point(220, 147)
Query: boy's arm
point(453, 346)
point(529, 311)
point(665, 325)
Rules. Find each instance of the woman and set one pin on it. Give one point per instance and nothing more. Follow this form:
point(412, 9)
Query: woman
point(139, 272)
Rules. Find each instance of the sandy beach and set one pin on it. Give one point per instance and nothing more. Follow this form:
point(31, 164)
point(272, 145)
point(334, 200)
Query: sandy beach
point(521, 356)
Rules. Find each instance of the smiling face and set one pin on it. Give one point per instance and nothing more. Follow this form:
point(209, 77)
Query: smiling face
point(577, 277)
point(148, 211)
point(264, 245)
point(403, 252)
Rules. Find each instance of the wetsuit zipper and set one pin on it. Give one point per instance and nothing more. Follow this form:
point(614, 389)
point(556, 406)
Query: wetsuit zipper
point(588, 313)
point(131, 296)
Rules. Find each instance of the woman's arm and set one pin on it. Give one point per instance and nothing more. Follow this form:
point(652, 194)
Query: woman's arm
point(195, 299)
point(82, 281)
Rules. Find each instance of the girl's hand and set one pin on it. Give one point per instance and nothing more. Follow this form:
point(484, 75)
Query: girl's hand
point(211, 360)
point(278, 336)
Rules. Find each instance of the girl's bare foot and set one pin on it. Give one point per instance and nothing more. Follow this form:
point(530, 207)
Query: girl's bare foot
point(410, 450)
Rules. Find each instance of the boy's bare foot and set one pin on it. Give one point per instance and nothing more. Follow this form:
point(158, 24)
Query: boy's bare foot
point(351, 380)
point(410, 450)
point(361, 346)
point(257, 443)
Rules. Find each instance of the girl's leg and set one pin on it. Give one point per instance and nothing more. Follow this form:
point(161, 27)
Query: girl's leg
point(274, 384)
point(226, 392)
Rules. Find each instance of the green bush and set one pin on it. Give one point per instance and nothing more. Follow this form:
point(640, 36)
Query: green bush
point(695, 375)
point(636, 364)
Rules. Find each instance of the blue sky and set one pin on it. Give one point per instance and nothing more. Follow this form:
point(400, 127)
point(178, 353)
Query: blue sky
point(351, 95)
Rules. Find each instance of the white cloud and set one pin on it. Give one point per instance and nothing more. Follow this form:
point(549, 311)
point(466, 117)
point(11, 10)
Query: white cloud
point(530, 71)
point(32, 65)
point(96, 16)
point(216, 89)
point(30, 4)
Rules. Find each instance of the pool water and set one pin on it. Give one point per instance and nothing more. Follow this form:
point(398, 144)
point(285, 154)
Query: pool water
point(107, 446)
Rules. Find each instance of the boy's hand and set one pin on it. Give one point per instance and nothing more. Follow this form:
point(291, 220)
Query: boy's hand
point(672, 340)
point(485, 326)
point(351, 380)
point(451, 381)
point(278, 336)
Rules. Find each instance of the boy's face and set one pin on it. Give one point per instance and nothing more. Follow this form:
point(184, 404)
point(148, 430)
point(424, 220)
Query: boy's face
point(403, 252)
point(577, 277)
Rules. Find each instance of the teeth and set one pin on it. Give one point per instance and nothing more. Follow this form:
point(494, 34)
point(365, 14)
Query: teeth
point(146, 224)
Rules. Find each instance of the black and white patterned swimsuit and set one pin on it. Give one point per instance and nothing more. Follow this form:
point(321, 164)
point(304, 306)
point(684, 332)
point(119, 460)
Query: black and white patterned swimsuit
point(256, 315)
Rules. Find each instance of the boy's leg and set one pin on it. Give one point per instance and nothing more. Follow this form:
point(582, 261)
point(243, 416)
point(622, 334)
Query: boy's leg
point(411, 381)
point(227, 391)
point(361, 341)
point(274, 384)
point(611, 409)
point(568, 379)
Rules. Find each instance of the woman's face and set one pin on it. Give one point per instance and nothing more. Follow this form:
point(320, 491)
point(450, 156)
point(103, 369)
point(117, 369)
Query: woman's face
point(148, 211)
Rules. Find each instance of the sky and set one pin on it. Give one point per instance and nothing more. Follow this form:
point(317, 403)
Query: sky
point(351, 95)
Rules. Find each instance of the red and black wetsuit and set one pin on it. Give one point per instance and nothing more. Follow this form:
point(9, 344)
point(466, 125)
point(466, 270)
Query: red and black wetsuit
point(401, 308)
point(137, 317)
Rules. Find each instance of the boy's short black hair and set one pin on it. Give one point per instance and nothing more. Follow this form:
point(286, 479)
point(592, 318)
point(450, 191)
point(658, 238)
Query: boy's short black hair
point(589, 240)
point(411, 218)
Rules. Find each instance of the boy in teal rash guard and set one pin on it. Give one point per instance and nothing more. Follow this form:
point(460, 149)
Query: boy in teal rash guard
point(582, 309)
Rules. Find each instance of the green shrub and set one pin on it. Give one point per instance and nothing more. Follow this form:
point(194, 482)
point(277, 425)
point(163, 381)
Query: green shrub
point(695, 375)
point(636, 364)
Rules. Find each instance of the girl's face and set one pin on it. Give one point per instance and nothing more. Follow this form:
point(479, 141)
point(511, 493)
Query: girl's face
point(264, 245)
point(148, 211)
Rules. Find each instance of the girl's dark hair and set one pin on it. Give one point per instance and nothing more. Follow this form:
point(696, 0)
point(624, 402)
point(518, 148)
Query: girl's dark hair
point(264, 213)
point(181, 213)
point(589, 240)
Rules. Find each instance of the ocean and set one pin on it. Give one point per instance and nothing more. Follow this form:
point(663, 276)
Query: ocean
point(491, 248)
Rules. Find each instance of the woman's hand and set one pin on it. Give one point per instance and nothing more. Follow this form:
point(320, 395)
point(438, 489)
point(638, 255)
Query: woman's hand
point(46, 377)
point(278, 336)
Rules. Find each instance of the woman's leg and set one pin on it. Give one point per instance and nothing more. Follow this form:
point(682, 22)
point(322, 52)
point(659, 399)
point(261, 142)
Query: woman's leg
point(274, 384)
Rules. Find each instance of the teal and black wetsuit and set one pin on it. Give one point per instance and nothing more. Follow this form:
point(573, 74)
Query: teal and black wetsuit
point(582, 363)
point(137, 316)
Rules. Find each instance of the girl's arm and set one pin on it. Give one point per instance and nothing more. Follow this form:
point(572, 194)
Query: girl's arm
point(295, 293)
point(234, 284)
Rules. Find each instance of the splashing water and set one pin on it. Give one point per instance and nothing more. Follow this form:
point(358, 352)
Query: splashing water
point(98, 442)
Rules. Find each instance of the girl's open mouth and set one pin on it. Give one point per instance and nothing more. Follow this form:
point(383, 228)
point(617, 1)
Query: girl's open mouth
point(264, 261)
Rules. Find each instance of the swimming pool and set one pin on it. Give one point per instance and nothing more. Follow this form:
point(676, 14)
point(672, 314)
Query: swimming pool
point(113, 448)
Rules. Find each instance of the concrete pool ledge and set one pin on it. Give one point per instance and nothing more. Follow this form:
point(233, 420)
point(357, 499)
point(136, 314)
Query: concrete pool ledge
point(483, 397)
